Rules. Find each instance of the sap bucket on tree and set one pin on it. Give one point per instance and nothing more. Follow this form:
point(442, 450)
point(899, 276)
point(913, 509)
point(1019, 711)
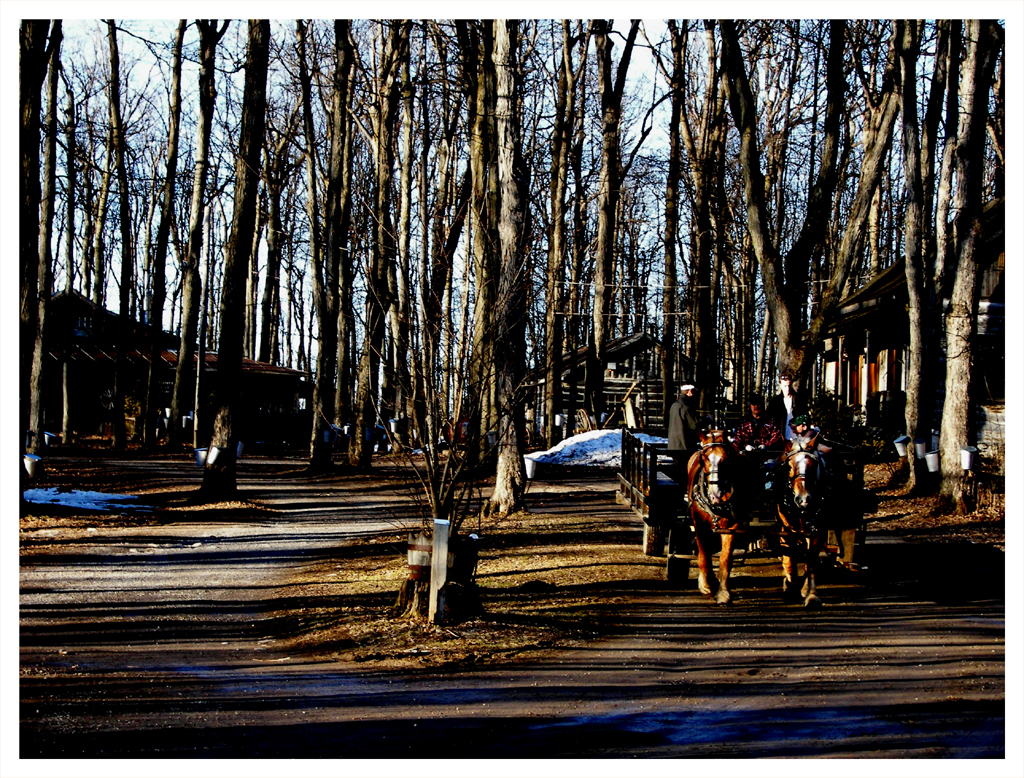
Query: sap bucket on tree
point(418, 554)
point(531, 467)
point(33, 465)
point(920, 449)
point(901, 445)
point(967, 457)
point(932, 460)
point(201, 456)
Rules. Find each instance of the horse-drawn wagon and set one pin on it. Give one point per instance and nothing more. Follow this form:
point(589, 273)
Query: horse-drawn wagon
point(786, 504)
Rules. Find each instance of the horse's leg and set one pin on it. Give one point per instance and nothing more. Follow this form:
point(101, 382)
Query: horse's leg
point(809, 591)
point(790, 586)
point(722, 597)
point(704, 539)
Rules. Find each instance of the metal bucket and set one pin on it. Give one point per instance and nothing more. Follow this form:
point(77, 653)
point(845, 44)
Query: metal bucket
point(418, 554)
point(932, 459)
point(901, 445)
point(33, 465)
point(531, 467)
point(967, 456)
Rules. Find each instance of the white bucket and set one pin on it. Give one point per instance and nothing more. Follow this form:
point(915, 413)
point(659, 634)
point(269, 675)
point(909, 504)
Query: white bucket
point(967, 454)
point(559, 419)
point(33, 465)
point(49, 438)
point(920, 449)
point(394, 426)
point(201, 456)
point(347, 429)
point(932, 459)
point(901, 445)
point(531, 467)
point(492, 439)
point(167, 412)
point(216, 452)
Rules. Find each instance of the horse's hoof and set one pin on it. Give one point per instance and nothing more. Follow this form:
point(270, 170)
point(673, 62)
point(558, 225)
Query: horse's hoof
point(790, 593)
point(812, 601)
point(723, 597)
point(702, 585)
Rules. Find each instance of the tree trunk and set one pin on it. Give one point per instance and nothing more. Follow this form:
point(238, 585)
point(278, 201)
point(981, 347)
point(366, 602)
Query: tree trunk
point(607, 201)
point(669, 347)
point(384, 116)
point(510, 313)
point(127, 246)
point(554, 321)
point(185, 371)
point(482, 162)
point(159, 273)
point(984, 42)
point(32, 73)
point(67, 424)
point(219, 476)
point(98, 292)
point(325, 257)
point(44, 234)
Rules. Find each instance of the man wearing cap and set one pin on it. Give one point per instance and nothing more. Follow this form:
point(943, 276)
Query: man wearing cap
point(786, 405)
point(682, 426)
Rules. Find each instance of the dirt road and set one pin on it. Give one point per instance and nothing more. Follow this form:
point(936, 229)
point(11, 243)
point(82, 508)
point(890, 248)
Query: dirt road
point(150, 641)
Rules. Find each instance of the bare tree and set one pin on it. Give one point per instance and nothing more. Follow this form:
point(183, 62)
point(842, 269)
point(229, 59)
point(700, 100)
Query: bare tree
point(185, 371)
point(32, 73)
point(558, 254)
point(383, 117)
point(984, 42)
point(612, 87)
point(44, 234)
point(510, 311)
point(783, 281)
point(127, 248)
point(159, 268)
point(219, 475)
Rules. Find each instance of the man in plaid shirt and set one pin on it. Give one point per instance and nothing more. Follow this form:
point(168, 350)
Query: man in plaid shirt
point(757, 430)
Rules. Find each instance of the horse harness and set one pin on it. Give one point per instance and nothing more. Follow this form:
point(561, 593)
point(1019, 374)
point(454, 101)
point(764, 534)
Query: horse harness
point(724, 513)
point(785, 499)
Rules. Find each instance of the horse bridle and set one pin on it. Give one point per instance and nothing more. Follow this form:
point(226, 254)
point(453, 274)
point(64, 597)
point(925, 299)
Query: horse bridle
point(724, 509)
point(787, 499)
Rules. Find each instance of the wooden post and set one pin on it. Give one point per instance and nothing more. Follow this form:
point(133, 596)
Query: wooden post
point(438, 570)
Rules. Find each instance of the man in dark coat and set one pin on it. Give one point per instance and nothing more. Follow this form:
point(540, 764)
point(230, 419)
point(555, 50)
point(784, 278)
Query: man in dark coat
point(682, 421)
point(786, 405)
point(682, 428)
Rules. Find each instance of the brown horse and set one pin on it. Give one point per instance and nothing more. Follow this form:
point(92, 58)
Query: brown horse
point(800, 505)
point(714, 507)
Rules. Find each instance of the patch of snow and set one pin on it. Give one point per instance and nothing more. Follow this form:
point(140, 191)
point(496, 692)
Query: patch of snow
point(94, 501)
point(597, 448)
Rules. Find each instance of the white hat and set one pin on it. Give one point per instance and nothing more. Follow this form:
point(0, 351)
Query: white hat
point(686, 387)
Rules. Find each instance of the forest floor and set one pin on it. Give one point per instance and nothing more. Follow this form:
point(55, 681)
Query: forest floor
point(552, 576)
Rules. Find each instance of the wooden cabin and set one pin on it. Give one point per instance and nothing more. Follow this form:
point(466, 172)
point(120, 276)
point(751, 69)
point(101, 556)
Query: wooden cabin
point(275, 402)
point(864, 360)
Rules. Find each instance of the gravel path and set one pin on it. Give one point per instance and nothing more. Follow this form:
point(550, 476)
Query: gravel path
point(148, 642)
